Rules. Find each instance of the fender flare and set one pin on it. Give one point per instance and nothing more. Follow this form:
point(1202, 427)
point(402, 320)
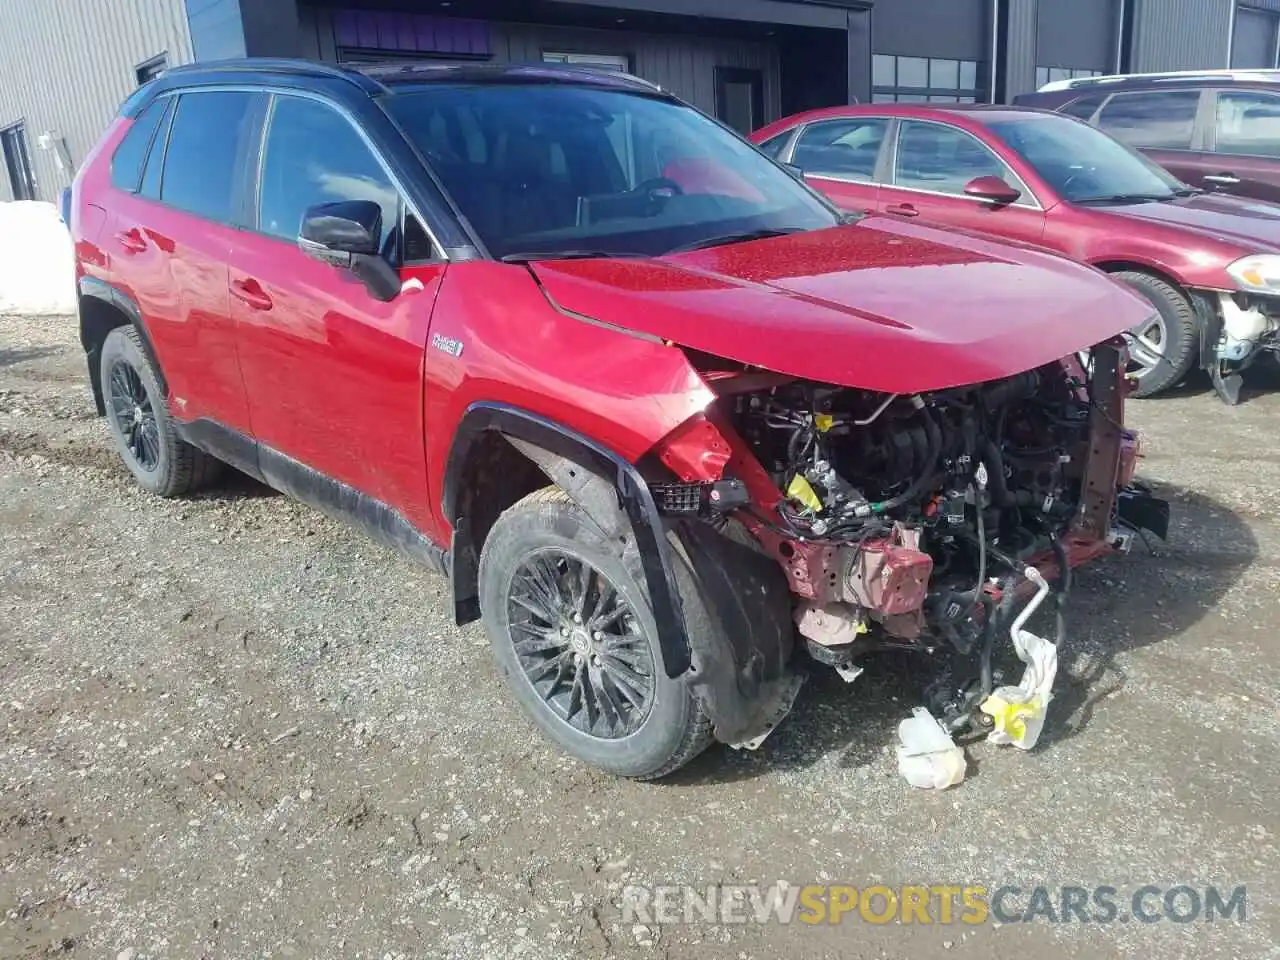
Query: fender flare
point(94, 288)
point(633, 494)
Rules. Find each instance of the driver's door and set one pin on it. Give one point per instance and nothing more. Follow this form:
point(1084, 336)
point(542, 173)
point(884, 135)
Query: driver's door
point(333, 375)
point(934, 162)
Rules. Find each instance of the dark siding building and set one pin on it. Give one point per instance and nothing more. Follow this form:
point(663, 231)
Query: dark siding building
point(65, 65)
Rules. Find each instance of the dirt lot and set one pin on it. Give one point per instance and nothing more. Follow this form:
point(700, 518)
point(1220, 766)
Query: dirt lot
point(233, 728)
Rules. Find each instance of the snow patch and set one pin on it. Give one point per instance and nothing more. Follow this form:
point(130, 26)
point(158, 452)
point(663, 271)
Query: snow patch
point(37, 267)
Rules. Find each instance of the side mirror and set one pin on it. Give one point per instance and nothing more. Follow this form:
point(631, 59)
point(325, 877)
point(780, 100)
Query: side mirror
point(792, 169)
point(993, 189)
point(346, 234)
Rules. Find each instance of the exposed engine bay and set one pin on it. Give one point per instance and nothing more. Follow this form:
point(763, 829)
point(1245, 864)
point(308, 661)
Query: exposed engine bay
point(916, 521)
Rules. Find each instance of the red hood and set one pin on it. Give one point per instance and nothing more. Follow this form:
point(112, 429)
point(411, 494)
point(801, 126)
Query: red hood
point(1251, 224)
point(898, 308)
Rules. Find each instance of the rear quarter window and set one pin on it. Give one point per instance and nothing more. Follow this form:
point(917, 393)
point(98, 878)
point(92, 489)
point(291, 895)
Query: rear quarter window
point(126, 163)
point(1084, 108)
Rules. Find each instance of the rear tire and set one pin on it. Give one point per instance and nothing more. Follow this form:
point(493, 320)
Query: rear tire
point(543, 629)
point(138, 416)
point(1179, 331)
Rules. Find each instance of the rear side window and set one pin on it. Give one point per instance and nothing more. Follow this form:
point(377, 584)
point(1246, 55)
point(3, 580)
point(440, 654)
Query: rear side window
point(1165, 119)
point(1085, 107)
point(126, 164)
point(204, 139)
point(314, 155)
point(841, 148)
point(1248, 123)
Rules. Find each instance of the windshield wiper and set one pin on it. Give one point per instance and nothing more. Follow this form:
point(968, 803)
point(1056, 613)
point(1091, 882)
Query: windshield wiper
point(567, 255)
point(729, 238)
point(1130, 198)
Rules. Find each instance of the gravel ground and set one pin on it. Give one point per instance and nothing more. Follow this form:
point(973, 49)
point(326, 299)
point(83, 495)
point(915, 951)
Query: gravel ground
point(234, 728)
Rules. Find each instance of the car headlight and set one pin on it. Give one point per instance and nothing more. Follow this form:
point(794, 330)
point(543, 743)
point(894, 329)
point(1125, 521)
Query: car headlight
point(1259, 273)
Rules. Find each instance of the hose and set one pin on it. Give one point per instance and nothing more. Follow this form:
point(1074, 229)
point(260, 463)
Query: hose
point(1060, 599)
point(995, 472)
point(926, 478)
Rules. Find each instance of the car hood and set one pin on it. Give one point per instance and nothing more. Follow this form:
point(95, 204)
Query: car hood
point(899, 308)
point(1252, 224)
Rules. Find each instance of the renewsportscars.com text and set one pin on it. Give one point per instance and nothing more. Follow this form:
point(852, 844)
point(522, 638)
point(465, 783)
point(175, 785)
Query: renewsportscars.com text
point(943, 904)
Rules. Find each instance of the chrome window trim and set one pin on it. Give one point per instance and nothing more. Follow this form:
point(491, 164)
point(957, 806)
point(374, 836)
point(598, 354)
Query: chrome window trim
point(1029, 195)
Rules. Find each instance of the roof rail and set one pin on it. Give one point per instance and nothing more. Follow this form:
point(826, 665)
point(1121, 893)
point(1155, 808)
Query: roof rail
point(1177, 75)
point(282, 67)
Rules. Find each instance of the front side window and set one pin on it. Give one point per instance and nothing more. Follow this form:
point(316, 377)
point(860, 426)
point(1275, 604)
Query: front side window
point(942, 159)
point(1248, 123)
point(841, 148)
point(557, 169)
point(1082, 164)
point(314, 155)
point(200, 169)
point(126, 163)
point(1165, 119)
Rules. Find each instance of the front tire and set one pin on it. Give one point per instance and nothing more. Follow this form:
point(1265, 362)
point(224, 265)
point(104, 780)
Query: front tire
point(1163, 350)
point(574, 636)
point(138, 415)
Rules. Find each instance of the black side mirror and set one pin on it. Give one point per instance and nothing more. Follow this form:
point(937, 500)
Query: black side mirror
point(346, 234)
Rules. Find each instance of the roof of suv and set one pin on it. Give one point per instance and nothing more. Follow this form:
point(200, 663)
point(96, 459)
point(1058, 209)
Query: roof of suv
point(1164, 79)
point(381, 78)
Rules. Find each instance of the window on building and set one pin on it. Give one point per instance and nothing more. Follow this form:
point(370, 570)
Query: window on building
point(1164, 119)
point(150, 69)
point(942, 159)
point(200, 163)
point(601, 61)
point(844, 149)
point(924, 80)
point(1054, 74)
point(314, 155)
point(17, 162)
point(1248, 123)
point(126, 163)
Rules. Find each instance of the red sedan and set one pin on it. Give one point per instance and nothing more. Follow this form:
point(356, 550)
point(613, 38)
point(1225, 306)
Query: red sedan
point(1210, 264)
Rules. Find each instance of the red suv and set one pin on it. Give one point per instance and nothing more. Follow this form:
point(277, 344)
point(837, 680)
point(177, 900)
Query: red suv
point(662, 415)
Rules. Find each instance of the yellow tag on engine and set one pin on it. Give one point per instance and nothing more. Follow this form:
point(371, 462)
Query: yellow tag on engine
point(802, 492)
point(823, 421)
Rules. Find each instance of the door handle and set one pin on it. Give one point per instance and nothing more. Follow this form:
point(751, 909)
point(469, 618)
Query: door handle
point(902, 210)
point(1226, 179)
point(132, 240)
point(250, 292)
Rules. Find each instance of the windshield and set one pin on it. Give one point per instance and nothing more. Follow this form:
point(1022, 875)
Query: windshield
point(546, 170)
point(1084, 164)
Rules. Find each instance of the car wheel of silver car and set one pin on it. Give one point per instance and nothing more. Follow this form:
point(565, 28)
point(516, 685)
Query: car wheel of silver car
point(573, 634)
point(1162, 349)
point(138, 416)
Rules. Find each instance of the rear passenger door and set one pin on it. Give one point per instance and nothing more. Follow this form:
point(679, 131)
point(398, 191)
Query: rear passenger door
point(173, 225)
point(1246, 157)
point(1162, 124)
point(334, 375)
point(841, 158)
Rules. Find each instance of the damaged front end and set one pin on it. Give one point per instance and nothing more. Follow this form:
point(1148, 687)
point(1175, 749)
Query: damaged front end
point(934, 522)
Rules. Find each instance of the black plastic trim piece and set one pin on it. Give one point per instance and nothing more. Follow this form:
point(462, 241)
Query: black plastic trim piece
point(633, 491)
point(333, 497)
point(101, 290)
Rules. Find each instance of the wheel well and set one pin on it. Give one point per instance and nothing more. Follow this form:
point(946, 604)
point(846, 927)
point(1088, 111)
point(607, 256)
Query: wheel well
point(494, 476)
point(1120, 266)
point(98, 318)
